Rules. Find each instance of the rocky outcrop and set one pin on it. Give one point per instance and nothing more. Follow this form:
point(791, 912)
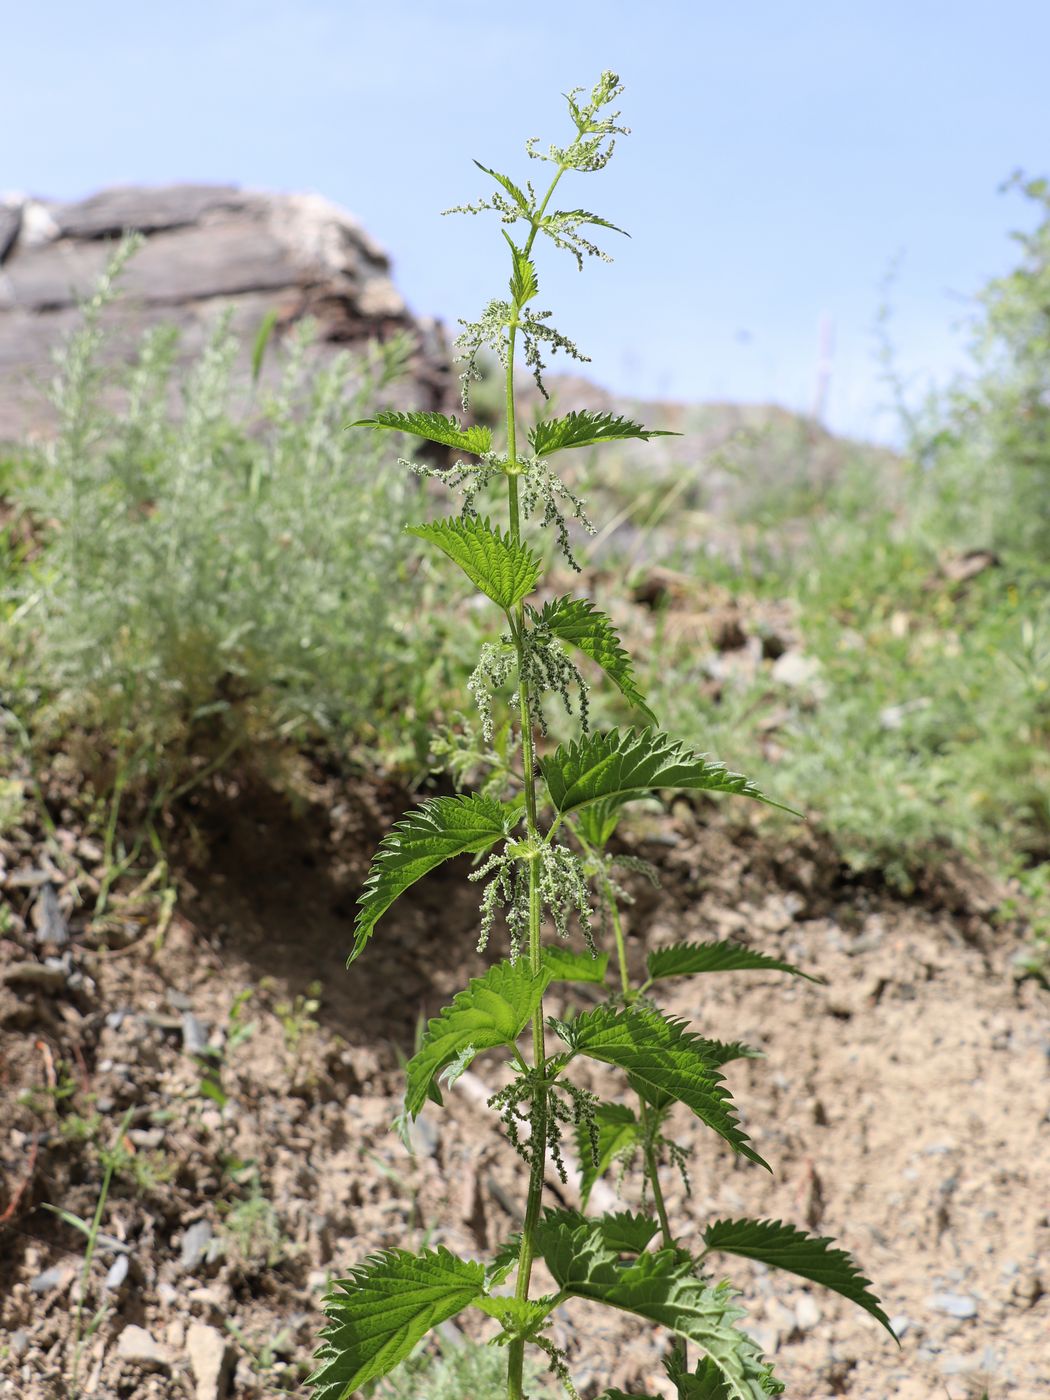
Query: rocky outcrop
point(207, 247)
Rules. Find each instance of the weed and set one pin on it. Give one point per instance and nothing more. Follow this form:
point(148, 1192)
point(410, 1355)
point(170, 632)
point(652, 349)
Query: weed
point(210, 584)
point(252, 1229)
point(539, 839)
point(298, 1023)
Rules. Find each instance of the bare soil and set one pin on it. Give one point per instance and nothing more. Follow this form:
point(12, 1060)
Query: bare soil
point(903, 1106)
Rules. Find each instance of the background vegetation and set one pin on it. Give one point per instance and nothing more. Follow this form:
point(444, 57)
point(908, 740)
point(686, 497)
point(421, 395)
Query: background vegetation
point(195, 578)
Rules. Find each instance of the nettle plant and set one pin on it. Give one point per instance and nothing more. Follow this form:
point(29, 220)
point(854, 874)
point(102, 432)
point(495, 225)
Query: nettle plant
point(539, 832)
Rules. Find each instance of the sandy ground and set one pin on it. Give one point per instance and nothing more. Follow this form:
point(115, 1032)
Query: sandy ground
point(903, 1107)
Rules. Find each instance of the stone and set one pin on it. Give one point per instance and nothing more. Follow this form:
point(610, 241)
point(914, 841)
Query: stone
point(195, 1241)
point(51, 926)
point(117, 1273)
point(56, 1277)
point(194, 1034)
point(959, 1305)
point(137, 1346)
point(807, 1314)
point(211, 1360)
point(207, 249)
point(796, 671)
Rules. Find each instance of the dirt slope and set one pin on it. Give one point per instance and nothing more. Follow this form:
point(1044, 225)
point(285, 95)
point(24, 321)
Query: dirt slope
point(903, 1107)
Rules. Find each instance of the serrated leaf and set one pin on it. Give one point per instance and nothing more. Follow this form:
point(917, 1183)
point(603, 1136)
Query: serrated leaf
point(508, 184)
point(582, 216)
point(626, 1232)
point(632, 761)
point(584, 429)
point(705, 1383)
point(685, 959)
point(785, 1247)
point(505, 1259)
point(523, 282)
point(493, 1010)
point(721, 1052)
point(501, 569)
point(598, 820)
point(618, 1131)
point(519, 1317)
point(662, 1287)
point(567, 966)
point(579, 623)
point(661, 1055)
point(439, 829)
point(383, 1309)
point(435, 427)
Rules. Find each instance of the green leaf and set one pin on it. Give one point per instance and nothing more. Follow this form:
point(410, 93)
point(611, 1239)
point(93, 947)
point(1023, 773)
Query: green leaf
point(584, 429)
point(627, 1232)
point(633, 761)
point(509, 185)
point(441, 828)
point(721, 1052)
point(567, 966)
point(523, 282)
point(519, 1317)
point(262, 340)
point(784, 1247)
point(579, 623)
point(684, 959)
point(705, 1383)
point(494, 1010)
point(660, 1055)
point(582, 216)
point(598, 820)
point(435, 427)
point(384, 1309)
point(618, 1131)
point(503, 570)
point(662, 1287)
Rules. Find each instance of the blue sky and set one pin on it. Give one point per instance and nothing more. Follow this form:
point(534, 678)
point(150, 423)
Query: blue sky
point(783, 157)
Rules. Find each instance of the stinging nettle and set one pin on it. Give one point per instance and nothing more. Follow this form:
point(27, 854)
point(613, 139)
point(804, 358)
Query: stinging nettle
point(541, 830)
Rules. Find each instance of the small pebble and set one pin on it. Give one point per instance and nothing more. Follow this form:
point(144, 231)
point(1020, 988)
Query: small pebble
point(137, 1346)
point(807, 1314)
point(195, 1241)
point(55, 1277)
point(959, 1305)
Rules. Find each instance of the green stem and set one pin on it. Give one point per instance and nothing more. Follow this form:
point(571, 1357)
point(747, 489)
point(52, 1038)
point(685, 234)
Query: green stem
point(538, 1134)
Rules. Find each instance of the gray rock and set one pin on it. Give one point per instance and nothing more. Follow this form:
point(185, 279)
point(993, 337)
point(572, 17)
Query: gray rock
point(111, 212)
point(194, 1034)
point(959, 1305)
point(55, 1277)
point(807, 1314)
point(195, 1243)
point(796, 671)
point(901, 1324)
point(10, 223)
point(118, 1272)
point(51, 926)
point(137, 1346)
point(207, 249)
point(211, 1360)
point(18, 1342)
point(956, 1364)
